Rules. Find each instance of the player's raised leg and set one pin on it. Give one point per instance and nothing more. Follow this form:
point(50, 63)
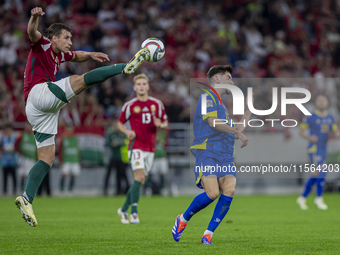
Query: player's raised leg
point(210, 185)
point(80, 83)
point(227, 184)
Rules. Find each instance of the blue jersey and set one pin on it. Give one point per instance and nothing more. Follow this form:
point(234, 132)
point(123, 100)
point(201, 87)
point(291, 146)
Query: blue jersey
point(320, 126)
point(9, 157)
point(216, 143)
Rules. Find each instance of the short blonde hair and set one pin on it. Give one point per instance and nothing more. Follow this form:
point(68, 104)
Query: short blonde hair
point(140, 76)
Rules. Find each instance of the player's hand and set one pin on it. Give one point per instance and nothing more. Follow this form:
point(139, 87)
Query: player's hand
point(131, 134)
point(99, 56)
point(37, 12)
point(157, 121)
point(313, 139)
point(243, 138)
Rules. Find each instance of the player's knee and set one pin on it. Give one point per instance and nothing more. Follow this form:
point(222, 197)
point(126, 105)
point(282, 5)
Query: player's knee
point(47, 159)
point(50, 160)
point(229, 191)
point(140, 178)
point(77, 83)
point(213, 194)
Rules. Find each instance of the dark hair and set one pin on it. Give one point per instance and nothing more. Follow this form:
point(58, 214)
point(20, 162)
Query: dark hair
point(220, 69)
point(56, 29)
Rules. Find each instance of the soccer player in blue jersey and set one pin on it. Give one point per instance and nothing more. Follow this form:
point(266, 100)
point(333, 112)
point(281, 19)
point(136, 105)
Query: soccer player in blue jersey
point(213, 148)
point(320, 123)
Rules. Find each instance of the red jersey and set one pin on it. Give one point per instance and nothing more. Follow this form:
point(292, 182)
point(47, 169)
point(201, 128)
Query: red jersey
point(42, 64)
point(141, 115)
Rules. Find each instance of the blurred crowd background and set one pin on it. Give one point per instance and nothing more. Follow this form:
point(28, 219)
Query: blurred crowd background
point(279, 43)
point(260, 39)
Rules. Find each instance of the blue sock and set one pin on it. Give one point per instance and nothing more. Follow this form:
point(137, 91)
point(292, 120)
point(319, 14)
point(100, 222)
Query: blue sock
point(200, 202)
point(308, 186)
point(221, 209)
point(320, 183)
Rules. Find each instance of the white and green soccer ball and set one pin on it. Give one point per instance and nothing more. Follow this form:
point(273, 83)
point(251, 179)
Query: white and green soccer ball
point(156, 48)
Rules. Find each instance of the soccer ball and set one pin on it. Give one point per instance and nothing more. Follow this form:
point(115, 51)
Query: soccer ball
point(156, 48)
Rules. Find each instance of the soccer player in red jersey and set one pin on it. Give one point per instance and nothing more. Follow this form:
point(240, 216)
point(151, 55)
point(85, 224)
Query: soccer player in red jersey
point(145, 114)
point(45, 97)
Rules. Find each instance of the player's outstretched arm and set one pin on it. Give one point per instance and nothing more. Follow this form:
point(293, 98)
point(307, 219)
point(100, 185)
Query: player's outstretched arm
point(32, 27)
point(82, 56)
point(221, 126)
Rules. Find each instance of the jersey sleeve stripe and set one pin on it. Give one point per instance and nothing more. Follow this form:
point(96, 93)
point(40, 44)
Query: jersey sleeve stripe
point(304, 126)
point(126, 108)
point(128, 112)
point(210, 114)
point(334, 127)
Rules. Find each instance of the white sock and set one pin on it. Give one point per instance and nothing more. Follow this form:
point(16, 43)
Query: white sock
point(25, 196)
point(182, 219)
point(208, 232)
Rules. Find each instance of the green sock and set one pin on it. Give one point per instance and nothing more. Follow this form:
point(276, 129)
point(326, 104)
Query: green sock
point(135, 194)
point(127, 202)
point(101, 74)
point(35, 177)
point(70, 188)
point(62, 183)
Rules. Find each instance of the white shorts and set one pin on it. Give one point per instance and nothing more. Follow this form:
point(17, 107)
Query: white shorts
point(25, 165)
point(160, 166)
point(70, 169)
point(42, 108)
point(141, 160)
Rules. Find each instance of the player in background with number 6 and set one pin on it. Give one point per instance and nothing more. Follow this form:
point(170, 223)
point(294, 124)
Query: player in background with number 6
point(145, 114)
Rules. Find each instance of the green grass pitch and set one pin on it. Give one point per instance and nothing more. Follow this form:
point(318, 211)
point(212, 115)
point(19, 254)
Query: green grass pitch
point(254, 225)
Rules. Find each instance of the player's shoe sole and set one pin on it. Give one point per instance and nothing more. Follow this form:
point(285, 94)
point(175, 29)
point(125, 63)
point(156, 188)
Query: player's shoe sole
point(137, 60)
point(123, 216)
point(134, 218)
point(206, 239)
point(178, 228)
point(26, 210)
